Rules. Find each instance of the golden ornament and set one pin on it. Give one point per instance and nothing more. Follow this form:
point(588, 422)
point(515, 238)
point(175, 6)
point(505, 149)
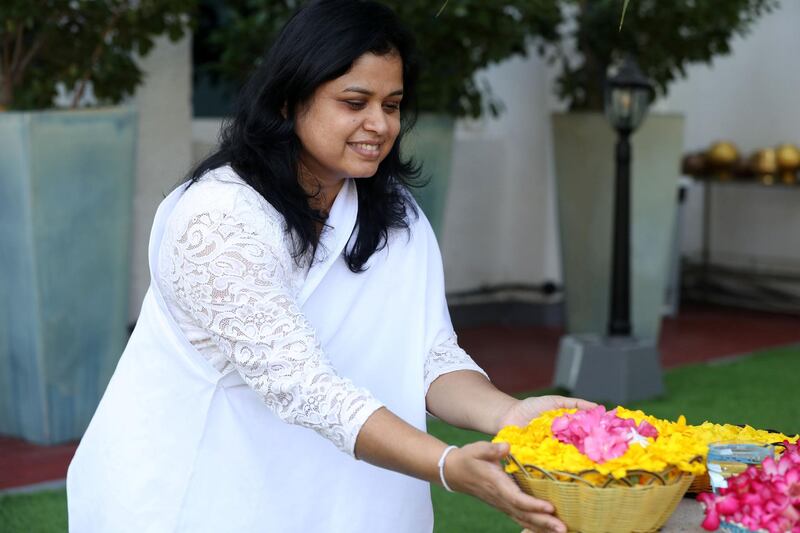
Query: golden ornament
point(787, 157)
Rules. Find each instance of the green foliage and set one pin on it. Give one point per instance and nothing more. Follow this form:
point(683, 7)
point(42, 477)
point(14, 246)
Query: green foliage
point(664, 37)
point(458, 37)
point(43, 42)
point(455, 40)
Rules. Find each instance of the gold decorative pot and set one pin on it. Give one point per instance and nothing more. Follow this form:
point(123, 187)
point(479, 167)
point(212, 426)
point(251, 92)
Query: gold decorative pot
point(787, 157)
point(722, 157)
point(764, 165)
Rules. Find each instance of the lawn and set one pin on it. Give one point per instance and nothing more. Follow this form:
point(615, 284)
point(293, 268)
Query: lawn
point(755, 390)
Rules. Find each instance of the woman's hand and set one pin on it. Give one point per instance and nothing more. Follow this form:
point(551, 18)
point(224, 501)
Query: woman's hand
point(475, 470)
point(521, 412)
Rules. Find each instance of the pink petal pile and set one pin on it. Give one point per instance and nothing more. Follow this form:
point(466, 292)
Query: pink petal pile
point(599, 434)
point(765, 499)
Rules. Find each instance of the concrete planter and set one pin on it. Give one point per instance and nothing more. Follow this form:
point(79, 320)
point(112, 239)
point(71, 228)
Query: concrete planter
point(431, 142)
point(584, 160)
point(65, 221)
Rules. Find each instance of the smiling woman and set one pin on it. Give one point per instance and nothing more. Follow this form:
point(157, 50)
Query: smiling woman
point(350, 124)
point(297, 301)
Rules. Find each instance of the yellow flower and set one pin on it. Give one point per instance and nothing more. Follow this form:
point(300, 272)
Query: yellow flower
point(678, 446)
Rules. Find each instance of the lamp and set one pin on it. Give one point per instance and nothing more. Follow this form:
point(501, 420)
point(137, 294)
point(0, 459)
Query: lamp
point(627, 96)
point(616, 367)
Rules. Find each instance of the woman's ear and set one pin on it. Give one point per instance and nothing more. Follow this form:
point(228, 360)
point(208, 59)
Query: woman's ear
point(285, 111)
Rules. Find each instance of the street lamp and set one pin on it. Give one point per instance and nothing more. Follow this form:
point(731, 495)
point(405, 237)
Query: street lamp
point(627, 96)
point(616, 367)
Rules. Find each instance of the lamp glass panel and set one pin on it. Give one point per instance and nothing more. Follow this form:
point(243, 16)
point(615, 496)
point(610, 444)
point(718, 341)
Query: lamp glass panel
point(626, 107)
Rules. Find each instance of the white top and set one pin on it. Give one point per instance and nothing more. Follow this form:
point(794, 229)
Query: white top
point(183, 443)
point(229, 279)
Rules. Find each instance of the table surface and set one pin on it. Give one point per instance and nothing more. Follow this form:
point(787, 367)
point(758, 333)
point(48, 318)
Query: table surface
point(687, 518)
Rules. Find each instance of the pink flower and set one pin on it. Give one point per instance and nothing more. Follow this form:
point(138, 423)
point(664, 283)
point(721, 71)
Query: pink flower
point(598, 434)
point(766, 498)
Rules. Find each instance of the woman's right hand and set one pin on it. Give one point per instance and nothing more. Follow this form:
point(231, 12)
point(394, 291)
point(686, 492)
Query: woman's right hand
point(475, 469)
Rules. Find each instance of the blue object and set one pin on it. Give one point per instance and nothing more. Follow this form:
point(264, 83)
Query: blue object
point(66, 190)
point(730, 527)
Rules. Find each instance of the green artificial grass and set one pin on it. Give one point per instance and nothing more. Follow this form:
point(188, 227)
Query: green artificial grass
point(42, 512)
point(758, 390)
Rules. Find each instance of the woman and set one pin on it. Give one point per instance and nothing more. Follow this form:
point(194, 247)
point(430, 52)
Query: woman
point(296, 286)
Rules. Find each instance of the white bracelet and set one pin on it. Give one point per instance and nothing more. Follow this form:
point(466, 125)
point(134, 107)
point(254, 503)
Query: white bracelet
point(441, 466)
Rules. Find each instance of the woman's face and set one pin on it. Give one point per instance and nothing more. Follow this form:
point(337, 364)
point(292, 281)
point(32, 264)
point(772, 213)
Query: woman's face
point(351, 122)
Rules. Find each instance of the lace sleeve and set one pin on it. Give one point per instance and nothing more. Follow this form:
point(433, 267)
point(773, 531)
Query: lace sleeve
point(445, 357)
point(234, 282)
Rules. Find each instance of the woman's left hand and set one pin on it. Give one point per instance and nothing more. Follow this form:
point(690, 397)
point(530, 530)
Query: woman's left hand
point(521, 412)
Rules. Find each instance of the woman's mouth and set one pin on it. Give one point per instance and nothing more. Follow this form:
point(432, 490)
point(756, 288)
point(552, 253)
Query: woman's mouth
point(368, 150)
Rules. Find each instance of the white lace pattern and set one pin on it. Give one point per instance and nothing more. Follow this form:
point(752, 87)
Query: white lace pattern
point(228, 278)
point(447, 357)
point(228, 273)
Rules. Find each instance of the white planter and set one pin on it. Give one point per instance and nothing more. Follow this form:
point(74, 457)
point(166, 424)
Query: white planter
point(584, 162)
point(65, 221)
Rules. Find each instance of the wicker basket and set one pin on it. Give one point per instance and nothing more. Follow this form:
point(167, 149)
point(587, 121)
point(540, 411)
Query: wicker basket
point(639, 503)
point(701, 483)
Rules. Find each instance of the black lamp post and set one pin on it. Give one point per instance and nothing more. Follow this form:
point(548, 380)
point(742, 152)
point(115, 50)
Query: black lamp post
point(628, 95)
point(616, 367)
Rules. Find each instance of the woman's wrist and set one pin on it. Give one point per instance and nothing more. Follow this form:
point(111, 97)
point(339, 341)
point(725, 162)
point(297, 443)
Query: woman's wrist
point(501, 414)
point(441, 465)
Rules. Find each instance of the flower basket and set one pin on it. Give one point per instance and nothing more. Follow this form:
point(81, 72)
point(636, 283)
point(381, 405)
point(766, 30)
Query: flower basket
point(700, 483)
point(641, 502)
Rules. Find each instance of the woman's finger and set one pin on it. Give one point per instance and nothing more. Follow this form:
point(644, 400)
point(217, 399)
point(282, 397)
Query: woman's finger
point(541, 522)
point(521, 501)
point(577, 403)
point(489, 451)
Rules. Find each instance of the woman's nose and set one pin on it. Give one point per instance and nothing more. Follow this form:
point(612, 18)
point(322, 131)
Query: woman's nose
point(376, 120)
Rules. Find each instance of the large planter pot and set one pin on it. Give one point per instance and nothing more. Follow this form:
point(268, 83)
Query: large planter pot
point(584, 160)
point(65, 220)
point(431, 143)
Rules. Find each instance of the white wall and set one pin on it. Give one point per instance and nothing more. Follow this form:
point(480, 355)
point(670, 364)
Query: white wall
point(500, 221)
point(500, 224)
point(752, 98)
point(501, 227)
point(164, 150)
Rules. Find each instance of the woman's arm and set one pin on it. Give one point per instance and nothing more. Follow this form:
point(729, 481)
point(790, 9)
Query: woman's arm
point(468, 400)
point(387, 441)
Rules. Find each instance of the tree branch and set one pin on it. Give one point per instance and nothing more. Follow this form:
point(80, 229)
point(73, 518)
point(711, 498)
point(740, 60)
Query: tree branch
point(37, 45)
point(76, 98)
point(6, 61)
point(17, 48)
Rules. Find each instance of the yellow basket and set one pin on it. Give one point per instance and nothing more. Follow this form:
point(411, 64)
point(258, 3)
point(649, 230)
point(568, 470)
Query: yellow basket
point(701, 483)
point(642, 502)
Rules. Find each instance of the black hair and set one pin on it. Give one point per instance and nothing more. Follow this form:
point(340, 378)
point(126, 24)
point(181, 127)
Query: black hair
point(319, 43)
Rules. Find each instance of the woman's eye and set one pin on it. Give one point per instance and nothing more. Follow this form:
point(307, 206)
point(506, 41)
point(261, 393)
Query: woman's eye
point(391, 107)
point(355, 104)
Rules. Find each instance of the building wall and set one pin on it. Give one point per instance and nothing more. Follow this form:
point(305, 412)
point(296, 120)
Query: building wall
point(164, 149)
point(500, 225)
point(503, 167)
point(750, 98)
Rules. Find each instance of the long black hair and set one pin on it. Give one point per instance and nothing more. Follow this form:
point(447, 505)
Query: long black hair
point(319, 43)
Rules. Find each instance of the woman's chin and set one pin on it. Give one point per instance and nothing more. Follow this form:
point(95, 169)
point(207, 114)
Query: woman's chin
point(363, 171)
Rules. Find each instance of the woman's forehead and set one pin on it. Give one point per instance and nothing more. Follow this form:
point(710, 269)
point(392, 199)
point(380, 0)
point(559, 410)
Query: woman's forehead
point(372, 74)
